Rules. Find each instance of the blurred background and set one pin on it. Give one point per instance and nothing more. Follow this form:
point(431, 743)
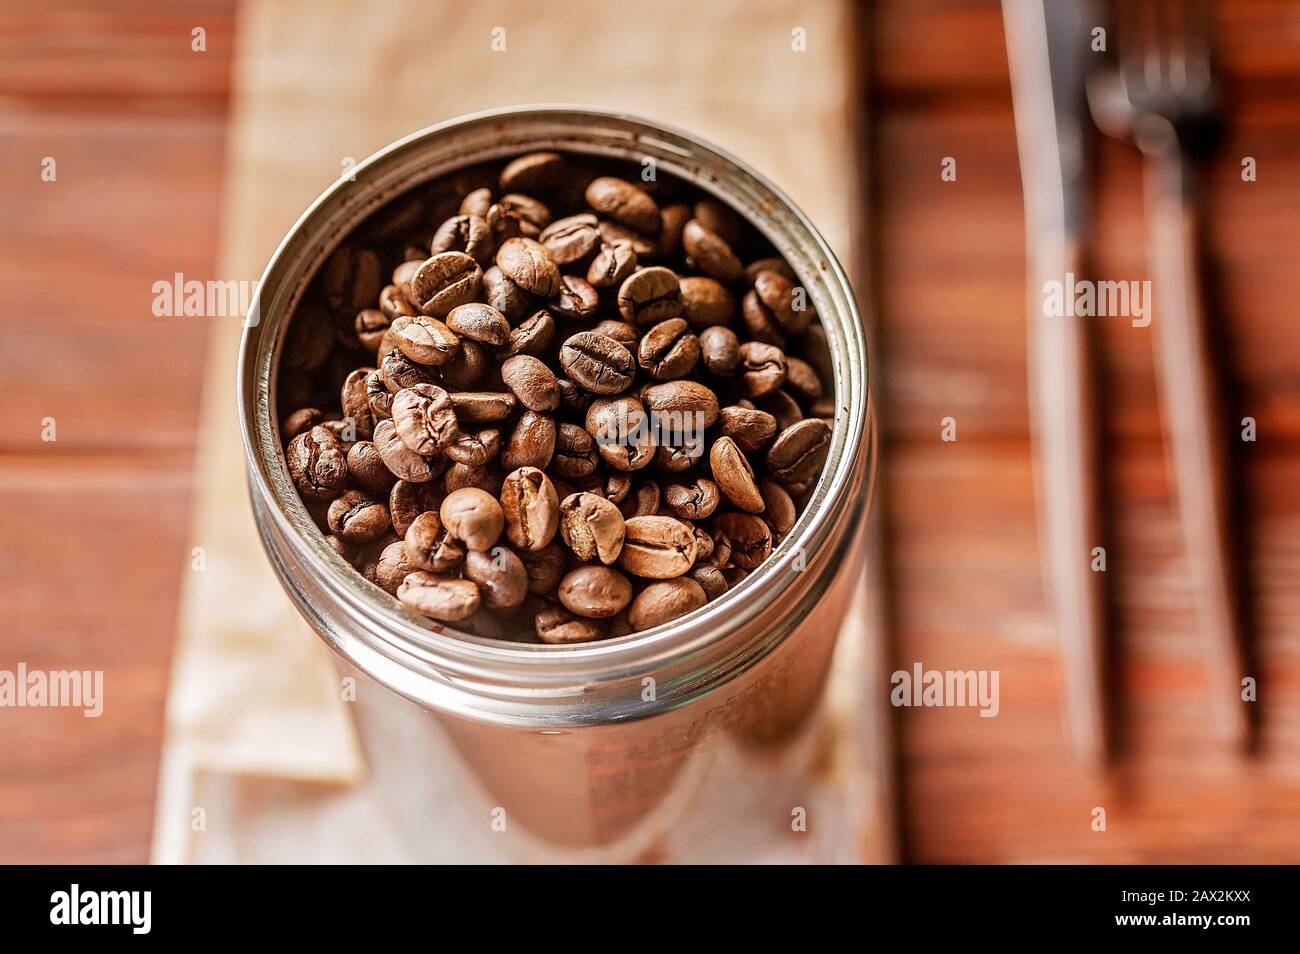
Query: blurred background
point(173, 158)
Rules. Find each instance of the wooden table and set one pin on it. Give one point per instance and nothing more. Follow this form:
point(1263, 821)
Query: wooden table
point(95, 527)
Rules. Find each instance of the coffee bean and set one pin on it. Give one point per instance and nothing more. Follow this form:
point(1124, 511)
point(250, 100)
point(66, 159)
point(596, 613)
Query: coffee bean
point(445, 598)
point(622, 432)
point(687, 406)
point(355, 517)
point(705, 302)
point(612, 265)
point(734, 475)
point(500, 576)
point(673, 219)
point(507, 297)
point(408, 500)
point(467, 368)
point(762, 369)
point(531, 508)
point(472, 516)
point(525, 262)
point(515, 216)
point(783, 301)
point(317, 464)
point(577, 300)
point(378, 396)
point(598, 363)
point(573, 399)
point(749, 538)
point(669, 350)
point(612, 233)
point(692, 501)
point(620, 331)
point(798, 454)
point(534, 172)
point(475, 449)
point(710, 579)
point(545, 568)
point(488, 477)
point(779, 509)
point(575, 453)
point(466, 233)
point(650, 296)
point(425, 340)
point(642, 500)
point(532, 443)
point(370, 325)
point(533, 337)
point(783, 408)
point(444, 281)
point(720, 350)
point(710, 253)
point(664, 602)
point(657, 548)
point(778, 265)
point(366, 557)
point(367, 470)
point(425, 419)
point(592, 527)
point(559, 625)
point(750, 428)
point(571, 239)
point(400, 459)
point(532, 382)
point(476, 202)
point(393, 567)
point(760, 324)
point(479, 322)
point(482, 407)
point(399, 372)
point(299, 422)
point(595, 591)
point(350, 278)
point(625, 203)
point(802, 379)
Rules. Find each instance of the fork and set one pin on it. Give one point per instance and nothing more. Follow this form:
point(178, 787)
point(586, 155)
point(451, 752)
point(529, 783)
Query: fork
point(1163, 96)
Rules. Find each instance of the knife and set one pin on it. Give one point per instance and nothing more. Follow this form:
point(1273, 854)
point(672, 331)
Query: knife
point(1047, 50)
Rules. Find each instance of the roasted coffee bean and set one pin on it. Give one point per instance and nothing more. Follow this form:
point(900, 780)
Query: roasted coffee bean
point(692, 501)
point(356, 403)
point(531, 382)
point(592, 527)
point(425, 419)
point(367, 470)
point(403, 274)
point(650, 296)
point(370, 325)
point(500, 576)
point(545, 568)
point(720, 350)
point(657, 548)
point(673, 219)
point(351, 278)
point(679, 458)
point(400, 372)
point(784, 301)
point(622, 432)
point(393, 567)
point(750, 428)
point(475, 449)
point(686, 406)
point(357, 518)
point(393, 303)
point(487, 477)
point(577, 300)
point(532, 508)
point(802, 379)
point(611, 233)
point(612, 265)
point(620, 331)
point(705, 302)
point(534, 337)
point(482, 407)
point(642, 500)
point(558, 625)
point(720, 219)
point(664, 602)
point(445, 281)
point(405, 463)
point(407, 501)
point(710, 253)
point(615, 488)
point(598, 363)
point(573, 399)
point(300, 422)
point(507, 297)
point(595, 591)
point(710, 579)
point(575, 453)
point(669, 350)
point(430, 547)
point(779, 509)
point(778, 265)
point(317, 464)
point(571, 239)
point(782, 407)
point(466, 233)
point(762, 369)
point(525, 262)
point(479, 322)
point(749, 537)
point(378, 396)
point(625, 203)
point(467, 368)
point(366, 556)
point(516, 215)
point(476, 202)
point(424, 340)
point(734, 475)
point(472, 516)
point(532, 442)
point(446, 598)
point(798, 454)
point(534, 172)
point(760, 324)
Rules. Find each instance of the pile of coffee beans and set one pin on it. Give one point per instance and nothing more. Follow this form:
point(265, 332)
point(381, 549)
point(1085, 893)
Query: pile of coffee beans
point(557, 398)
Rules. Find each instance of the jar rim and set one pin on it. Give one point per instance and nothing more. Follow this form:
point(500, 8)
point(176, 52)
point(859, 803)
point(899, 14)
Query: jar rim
point(576, 129)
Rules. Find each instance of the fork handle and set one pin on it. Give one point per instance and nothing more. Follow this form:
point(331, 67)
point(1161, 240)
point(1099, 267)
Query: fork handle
point(1195, 427)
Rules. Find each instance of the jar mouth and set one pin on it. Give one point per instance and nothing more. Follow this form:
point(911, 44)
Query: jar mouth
point(433, 152)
